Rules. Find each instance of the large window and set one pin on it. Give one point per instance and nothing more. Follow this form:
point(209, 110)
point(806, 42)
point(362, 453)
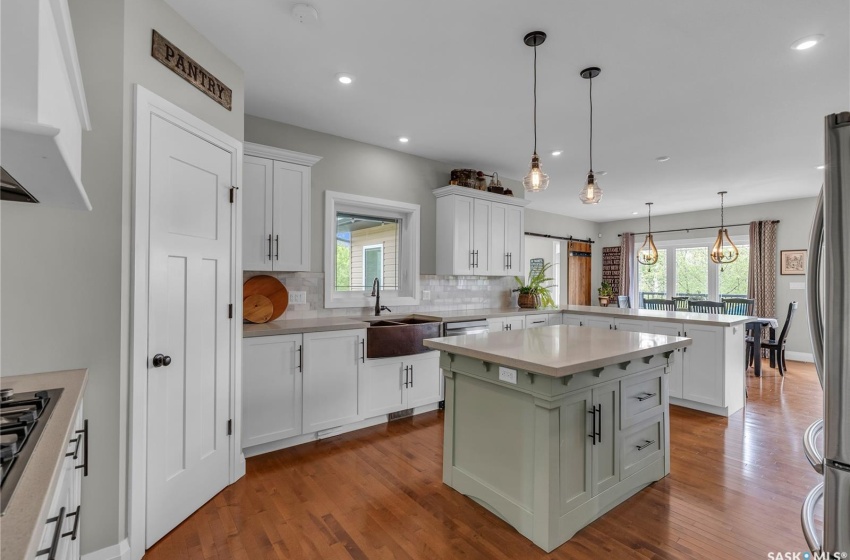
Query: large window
point(684, 269)
point(369, 238)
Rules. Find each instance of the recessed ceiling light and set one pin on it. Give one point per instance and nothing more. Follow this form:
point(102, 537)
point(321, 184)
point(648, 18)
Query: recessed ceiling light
point(404, 139)
point(557, 153)
point(344, 78)
point(600, 173)
point(806, 42)
point(662, 159)
point(820, 167)
point(634, 213)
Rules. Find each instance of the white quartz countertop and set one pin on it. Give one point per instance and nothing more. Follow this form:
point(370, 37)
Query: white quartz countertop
point(558, 350)
point(665, 316)
point(23, 522)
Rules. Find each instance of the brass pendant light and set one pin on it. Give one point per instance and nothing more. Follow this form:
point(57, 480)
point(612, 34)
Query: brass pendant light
point(723, 251)
point(648, 253)
point(591, 192)
point(536, 180)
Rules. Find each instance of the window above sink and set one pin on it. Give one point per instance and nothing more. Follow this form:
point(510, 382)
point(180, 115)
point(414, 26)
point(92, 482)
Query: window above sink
point(368, 238)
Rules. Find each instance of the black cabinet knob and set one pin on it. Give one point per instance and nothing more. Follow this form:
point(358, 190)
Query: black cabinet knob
point(160, 360)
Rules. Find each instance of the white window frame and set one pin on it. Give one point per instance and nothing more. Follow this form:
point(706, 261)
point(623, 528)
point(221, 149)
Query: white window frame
point(671, 246)
point(408, 216)
point(381, 271)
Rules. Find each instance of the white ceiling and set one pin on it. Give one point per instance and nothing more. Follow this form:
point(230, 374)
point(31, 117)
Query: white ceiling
point(714, 85)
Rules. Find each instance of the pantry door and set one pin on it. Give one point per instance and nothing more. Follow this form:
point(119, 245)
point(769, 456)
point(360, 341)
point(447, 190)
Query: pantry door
point(190, 350)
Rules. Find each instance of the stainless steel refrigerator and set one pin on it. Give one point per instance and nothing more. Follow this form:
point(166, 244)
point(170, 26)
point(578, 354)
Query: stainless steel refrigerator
point(828, 297)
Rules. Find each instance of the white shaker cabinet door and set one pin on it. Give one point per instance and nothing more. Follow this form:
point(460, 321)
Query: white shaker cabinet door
point(498, 260)
point(271, 388)
point(383, 383)
point(702, 378)
point(425, 383)
point(675, 373)
point(291, 241)
point(515, 240)
point(256, 196)
point(331, 367)
point(482, 216)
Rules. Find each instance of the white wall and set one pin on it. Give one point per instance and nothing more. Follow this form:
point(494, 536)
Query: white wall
point(66, 274)
point(793, 233)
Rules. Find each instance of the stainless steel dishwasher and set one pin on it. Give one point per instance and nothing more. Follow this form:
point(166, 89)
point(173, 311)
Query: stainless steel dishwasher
point(458, 328)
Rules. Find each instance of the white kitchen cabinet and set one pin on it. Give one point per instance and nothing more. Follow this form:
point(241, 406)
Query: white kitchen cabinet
point(556, 318)
point(479, 233)
point(512, 323)
point(632, 325)
point(276, 193)
point(271, 388)
point(598, 322)
point(332, 363)
point(702, 379)
point(393, 384)
point(676, 368)
point(570, 319)
point(537, 320)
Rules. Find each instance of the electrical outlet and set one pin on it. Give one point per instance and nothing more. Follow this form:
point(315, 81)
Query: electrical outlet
point(507, 375)
point(426, 295)
point(297, 297)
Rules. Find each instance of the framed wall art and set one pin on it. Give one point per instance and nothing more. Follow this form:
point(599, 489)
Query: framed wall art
point(792, 262)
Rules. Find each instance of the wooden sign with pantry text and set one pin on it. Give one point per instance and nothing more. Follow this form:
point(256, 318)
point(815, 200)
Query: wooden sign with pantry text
point(185, 66)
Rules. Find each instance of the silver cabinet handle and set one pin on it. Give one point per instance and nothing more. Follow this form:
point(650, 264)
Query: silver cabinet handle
point(813, 287)
point(807, 517)
point(810, 446)
point(645, 445)
point(645, 396)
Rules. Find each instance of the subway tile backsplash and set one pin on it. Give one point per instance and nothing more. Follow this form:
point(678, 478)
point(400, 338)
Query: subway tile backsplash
point(448, 293)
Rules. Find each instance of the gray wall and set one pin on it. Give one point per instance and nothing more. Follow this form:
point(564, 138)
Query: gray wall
point(354, 167)
point(66, 274)
point(793, 233)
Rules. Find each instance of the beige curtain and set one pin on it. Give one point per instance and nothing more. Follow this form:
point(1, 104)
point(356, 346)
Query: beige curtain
point(762, 273)
point(627, 261)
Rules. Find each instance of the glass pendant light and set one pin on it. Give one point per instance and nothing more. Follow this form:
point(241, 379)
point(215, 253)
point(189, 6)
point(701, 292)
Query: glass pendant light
point(591, 193)
point(724, 251)
point(648, 253)
point(536, 180)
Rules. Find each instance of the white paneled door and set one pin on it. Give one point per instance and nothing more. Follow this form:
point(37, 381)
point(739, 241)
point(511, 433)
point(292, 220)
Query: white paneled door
point(188, 325)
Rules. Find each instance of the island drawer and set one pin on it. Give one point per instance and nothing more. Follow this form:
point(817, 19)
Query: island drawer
point(642, 444)
point(642, 397)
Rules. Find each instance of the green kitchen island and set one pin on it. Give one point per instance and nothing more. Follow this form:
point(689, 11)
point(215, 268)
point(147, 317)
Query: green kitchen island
point(551, 427)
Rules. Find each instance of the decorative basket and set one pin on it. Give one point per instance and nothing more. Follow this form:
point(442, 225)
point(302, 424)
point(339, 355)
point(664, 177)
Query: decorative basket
point(528, 301)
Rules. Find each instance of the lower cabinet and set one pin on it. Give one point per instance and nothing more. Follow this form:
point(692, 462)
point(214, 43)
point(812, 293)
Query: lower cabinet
point(330, 379)
point(271, 388)
point(512, 323)
point(703, 367)
point(538, 320)
point(676, 366)
point(392, 384)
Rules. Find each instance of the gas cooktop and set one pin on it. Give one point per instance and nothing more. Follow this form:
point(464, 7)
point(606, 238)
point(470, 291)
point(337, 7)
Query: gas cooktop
point(22, 420)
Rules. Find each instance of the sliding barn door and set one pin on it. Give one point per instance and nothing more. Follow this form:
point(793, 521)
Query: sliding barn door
point(578, 273)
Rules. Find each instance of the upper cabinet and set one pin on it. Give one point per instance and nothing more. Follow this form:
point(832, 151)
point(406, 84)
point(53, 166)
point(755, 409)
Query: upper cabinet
point(44, 104)
point(276, 209)
point(479, 233)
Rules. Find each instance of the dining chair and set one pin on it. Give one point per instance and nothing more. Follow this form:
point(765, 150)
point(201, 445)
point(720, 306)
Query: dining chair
point(775, 346)
point(739, 306)
point(623, 301)
point(681, 302)
point(659, 304)
point(706, 307)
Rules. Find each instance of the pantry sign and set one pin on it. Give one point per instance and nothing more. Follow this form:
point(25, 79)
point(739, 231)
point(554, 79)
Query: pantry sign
point(185, 66)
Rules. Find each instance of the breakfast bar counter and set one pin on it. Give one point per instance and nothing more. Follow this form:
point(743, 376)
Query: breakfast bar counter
point(551, 427)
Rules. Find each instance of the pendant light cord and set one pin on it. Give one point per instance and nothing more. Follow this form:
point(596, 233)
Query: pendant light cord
point(591, 123)
point(649, 208)
point(721, 212)
point(535, 99)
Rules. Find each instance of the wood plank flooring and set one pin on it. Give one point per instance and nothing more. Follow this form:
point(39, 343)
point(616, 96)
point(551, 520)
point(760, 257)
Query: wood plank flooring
point(735, 491)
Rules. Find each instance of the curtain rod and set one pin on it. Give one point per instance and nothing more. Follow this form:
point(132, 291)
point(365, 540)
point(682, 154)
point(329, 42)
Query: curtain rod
point(693, 228)
point(570, 238)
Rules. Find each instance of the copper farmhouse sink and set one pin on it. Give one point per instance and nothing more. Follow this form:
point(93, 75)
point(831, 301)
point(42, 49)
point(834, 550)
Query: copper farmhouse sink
point(399, 337)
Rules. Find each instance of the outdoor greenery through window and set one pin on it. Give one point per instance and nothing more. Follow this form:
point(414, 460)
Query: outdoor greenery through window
point(366, 248)
point(684, 269)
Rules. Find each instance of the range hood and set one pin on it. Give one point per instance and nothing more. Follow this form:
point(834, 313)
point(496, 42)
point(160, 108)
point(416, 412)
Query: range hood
point(43, 109)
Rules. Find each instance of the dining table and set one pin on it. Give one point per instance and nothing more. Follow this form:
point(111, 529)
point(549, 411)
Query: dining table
point(755, 328)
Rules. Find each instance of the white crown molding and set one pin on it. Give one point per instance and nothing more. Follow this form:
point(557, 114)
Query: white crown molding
point(483, 195)
point(279, 154)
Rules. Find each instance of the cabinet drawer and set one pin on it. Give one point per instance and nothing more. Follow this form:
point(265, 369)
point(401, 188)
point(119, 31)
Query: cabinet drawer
point(642, 397)
point(642, 444)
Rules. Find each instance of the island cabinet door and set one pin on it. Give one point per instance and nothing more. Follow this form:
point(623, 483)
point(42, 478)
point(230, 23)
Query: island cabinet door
point(605, 444)
point(271, 388)
point(702, 376)
point(674, 376)
point(575, 462)
point(331, 367)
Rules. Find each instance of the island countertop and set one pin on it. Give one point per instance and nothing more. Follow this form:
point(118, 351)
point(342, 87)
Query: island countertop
point(710, 319)
point(558, 350)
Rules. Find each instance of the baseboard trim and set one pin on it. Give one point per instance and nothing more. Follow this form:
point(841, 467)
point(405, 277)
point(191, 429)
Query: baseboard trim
point(799, 356)
point(120, 551)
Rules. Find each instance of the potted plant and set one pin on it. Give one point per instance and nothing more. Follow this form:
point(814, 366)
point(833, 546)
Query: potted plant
point(606, 292)
point(533, 293)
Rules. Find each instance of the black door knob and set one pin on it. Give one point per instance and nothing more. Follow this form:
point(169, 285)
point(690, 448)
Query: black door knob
point(159, 360)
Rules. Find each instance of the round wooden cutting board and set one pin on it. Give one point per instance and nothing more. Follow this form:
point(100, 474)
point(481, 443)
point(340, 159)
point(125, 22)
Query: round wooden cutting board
point(270, 287)
point(257, 308)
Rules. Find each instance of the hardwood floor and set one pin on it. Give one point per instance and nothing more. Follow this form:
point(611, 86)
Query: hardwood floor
point(735, 490)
